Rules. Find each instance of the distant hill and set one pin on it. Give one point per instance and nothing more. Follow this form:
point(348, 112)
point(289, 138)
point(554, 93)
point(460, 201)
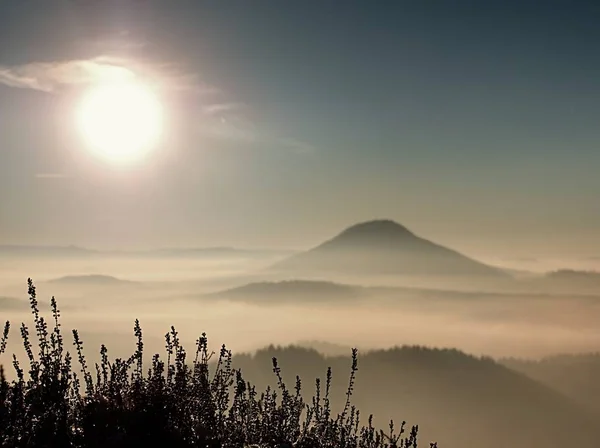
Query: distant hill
point(566, 281)
point(576, 376)
point(520, 273)
point(384, 247)
point(12, 303)
point(93, 279)
point(325, 348)
point(459, 400)
point(45, 251)
point(217, 252)
point(299, 291)
point(201, 252)
point(591, 277)
point(305, 291)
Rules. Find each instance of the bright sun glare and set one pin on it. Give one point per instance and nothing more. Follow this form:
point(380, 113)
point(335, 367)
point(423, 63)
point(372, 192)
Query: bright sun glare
point(121, 122)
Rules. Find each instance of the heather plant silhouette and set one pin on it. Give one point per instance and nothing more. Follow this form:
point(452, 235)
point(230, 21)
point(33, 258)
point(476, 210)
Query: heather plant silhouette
point(174, 402)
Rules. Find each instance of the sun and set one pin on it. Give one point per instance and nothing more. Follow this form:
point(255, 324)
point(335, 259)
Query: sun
point(121, 122)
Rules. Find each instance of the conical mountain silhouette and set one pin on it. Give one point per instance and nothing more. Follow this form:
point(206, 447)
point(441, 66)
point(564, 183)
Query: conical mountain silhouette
point(384, 247)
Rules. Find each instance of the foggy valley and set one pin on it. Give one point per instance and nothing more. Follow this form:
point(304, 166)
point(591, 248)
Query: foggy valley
point(447, 350)
point(532, 316)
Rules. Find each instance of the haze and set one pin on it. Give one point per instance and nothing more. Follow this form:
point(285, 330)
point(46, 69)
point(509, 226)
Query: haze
point(415, 179)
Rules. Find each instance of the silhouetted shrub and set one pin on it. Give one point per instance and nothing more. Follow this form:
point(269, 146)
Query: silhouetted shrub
point(174, 403)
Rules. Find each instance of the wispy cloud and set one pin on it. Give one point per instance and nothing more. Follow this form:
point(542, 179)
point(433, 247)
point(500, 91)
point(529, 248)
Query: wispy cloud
point(124, 40)
point(297, 145)
point(50, 176)
point(51, 76)
point(222, 115)
point(48, 76)
point(222, 108)
point(239, 129)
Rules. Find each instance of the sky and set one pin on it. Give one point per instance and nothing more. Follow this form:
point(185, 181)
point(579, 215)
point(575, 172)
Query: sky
point(474, 124)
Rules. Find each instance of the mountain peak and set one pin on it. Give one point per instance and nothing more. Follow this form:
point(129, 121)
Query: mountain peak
point(386, 227)
point(383, 246)
point(379, 233)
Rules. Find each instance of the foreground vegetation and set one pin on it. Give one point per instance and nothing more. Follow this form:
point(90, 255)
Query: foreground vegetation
point(175, 402)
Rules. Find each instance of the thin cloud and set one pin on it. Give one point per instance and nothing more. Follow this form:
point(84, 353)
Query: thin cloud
point(49, 76)
point(223, 108)
point(52, 76)
point(122, 41)
point(243, 130)
point(232, 121)
point(226, 118)
point(297, 145)
point(234, 127)
point(50, 176)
